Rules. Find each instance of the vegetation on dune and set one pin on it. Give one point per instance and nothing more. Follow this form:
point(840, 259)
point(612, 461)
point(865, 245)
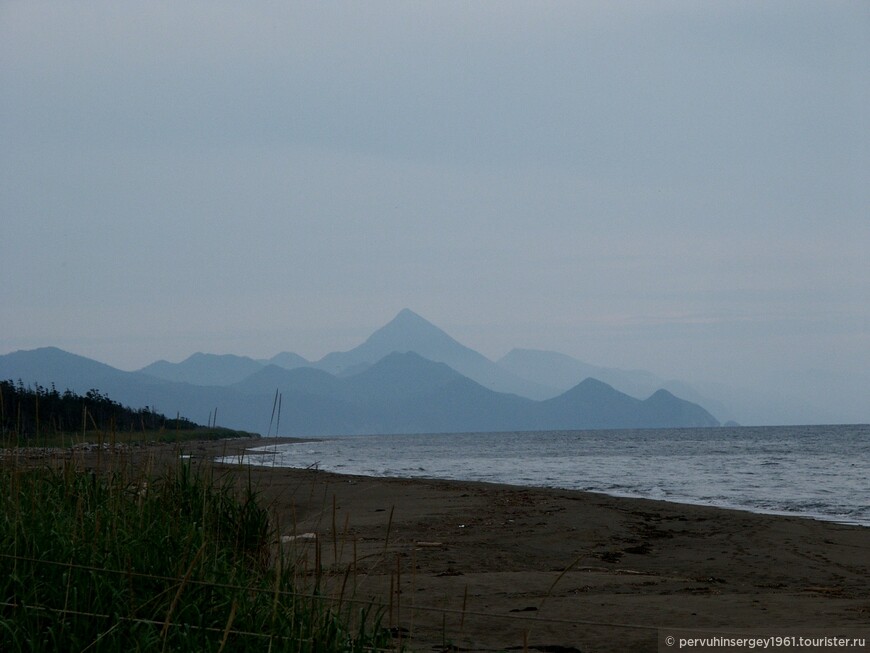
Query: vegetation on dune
point(118, 561)
point(123, 559)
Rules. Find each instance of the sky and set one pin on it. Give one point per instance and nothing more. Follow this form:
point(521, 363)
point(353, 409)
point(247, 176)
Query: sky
point(675, 186)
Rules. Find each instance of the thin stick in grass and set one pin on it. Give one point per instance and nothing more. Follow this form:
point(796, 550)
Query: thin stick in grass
point(464, 605)
point(413, 591)
point(318, 562)
point(278, 570)
point(556, 582)
point(334, 533)
point(399, 596)
point(344, 536)
point(392, 586)
point(229, 625)
point(389, 527)
point(354, 566)
point(274, 407)
point(177, 596)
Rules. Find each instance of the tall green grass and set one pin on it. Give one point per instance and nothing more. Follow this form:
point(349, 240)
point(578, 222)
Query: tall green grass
point(109, 561)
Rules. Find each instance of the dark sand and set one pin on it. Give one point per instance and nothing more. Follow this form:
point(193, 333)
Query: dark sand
point(491, 567)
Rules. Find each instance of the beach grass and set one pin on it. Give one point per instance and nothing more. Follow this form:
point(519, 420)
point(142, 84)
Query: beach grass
point(66, 439)
point(120, 559)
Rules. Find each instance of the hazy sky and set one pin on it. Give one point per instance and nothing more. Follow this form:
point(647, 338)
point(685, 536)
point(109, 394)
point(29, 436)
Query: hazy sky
point(679, 186)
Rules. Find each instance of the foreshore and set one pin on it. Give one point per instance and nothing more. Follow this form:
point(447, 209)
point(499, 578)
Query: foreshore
point(483, 567)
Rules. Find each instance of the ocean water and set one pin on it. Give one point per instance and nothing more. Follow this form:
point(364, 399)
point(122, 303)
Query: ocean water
point(821, 472)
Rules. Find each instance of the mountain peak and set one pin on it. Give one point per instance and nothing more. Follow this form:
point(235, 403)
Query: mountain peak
point(407, 318)
point(661, 395)
point(410, 332)
point(407, 313)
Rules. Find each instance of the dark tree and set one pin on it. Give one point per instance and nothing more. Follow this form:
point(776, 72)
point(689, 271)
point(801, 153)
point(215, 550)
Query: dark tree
point(26, 412)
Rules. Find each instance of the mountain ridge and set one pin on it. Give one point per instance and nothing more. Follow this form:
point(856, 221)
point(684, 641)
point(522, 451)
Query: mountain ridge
point(204, 369)
point(562, 372)
point(408, 331)
point(536, 374)
point(403, 392)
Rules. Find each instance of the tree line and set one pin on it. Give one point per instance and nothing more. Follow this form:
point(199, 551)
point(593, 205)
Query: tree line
point(28, 412)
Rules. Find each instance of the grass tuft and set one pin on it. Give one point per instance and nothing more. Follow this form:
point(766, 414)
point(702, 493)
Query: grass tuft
point(108, 561)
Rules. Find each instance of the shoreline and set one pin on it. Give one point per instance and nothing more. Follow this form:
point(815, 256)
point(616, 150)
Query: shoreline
point(481, 566)
point(683, 501)
point(490, 566)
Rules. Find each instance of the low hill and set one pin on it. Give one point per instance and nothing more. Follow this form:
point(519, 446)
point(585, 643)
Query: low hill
point(205, 369)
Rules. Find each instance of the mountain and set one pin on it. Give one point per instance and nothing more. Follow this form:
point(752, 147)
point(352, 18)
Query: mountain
point(198, 385)
point(288, 360)
point(48, 365)
point(408, 376)
point(205, 369)
point(663, 408)
point(219, 369)
point(419, 395)
point(550, 368)
point(561, 371)
point(69, 371)
point(300, 379)
point(400, 393)
point(593, 404)
point(410, 332)
point(406, 393)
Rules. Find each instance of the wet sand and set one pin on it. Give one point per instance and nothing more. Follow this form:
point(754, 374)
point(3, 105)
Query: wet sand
point(482, 567)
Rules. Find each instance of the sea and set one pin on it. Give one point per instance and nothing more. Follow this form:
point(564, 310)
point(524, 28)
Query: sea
point(822, 472)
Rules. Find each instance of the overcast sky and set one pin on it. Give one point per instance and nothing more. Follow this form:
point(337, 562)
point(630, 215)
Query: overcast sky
point(679, 186)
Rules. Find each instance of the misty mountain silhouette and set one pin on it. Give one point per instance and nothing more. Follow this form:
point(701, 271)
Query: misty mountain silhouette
point(406, 332)
point(288, 360)
point(406, 393)
point(205, 369)
point(410, 332)
point(563, 372)
point(534, 374)
point(400, 393)
point(48, 365)
point(552, 369)
point(598, 405)
point(52, 365)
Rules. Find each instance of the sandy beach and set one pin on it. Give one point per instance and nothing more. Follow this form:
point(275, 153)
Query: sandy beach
point(482, 567)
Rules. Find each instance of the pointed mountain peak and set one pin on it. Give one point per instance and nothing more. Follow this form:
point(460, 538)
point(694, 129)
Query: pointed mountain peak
point(592, 385)
point(663, 395)
point(408, 318)
point(409, 332)
point(406, 313)
point(405, 332)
